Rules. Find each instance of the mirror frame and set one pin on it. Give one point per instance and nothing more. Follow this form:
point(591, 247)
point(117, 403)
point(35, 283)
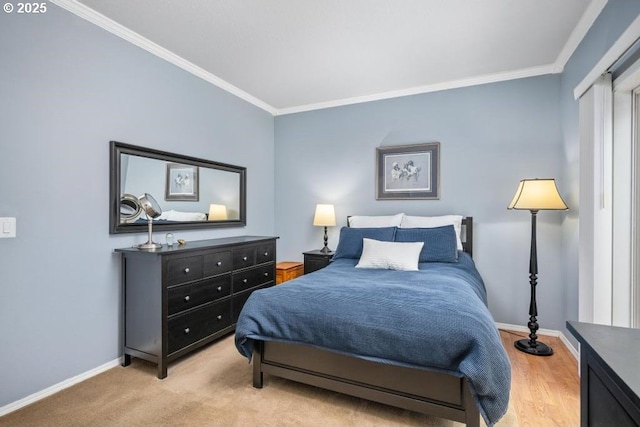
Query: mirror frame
point(117, 149)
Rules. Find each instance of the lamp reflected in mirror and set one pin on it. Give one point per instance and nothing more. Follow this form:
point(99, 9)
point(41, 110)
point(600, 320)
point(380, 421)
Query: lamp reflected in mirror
point(152, 210)
point(217, 213)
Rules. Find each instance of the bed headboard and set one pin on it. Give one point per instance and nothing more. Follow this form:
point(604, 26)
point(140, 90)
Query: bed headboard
point(466, 234)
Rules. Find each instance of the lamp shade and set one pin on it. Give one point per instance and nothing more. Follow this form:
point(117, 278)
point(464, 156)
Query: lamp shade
point(537, 194)
point(325, 216)
point(217, 212)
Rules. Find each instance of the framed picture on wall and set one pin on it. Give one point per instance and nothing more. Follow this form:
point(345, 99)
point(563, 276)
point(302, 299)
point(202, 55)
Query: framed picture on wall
point(408, 172)
point(181, 183)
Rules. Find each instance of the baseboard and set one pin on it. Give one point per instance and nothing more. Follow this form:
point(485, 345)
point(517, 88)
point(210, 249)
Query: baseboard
point(58, 387)
point(547, 332)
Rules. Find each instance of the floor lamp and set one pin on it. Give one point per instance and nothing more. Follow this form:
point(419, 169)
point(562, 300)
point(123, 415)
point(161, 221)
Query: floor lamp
point(535, 195)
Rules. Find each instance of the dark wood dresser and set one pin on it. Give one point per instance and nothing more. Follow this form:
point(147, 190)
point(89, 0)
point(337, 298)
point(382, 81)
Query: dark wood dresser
point(179, 298)
point(609, 374)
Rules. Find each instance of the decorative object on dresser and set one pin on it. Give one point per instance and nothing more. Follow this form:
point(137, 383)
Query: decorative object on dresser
point(408, 172)
point(152, 210)
point(535, 195)
point(177, 299)
point(315, 260)
point(609, 375)
point(325, 216)
point(287, 270)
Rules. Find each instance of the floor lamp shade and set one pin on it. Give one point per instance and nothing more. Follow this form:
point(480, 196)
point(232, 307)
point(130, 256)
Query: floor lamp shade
point(535, 195)
point(325, 216)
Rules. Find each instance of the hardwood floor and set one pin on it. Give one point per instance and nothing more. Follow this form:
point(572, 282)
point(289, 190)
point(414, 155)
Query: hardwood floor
point(545, 391)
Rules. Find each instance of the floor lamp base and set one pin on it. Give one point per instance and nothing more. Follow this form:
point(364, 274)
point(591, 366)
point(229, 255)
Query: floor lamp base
point(540, 349)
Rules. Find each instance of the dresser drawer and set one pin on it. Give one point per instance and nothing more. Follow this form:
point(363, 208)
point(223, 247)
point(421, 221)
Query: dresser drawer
point(217, 263)
point(240, 298)
point(251, 278)
point(265, 253)
point(190, 327)
point(184, 297)
point(181, 270)
point(251, 255)
point(244, 257)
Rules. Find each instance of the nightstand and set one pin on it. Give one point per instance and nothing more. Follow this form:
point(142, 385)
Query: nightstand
point(315, 260)
point(287, 270)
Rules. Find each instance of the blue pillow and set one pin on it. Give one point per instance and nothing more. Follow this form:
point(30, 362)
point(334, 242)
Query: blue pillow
point(350, 243)
point(440, 244)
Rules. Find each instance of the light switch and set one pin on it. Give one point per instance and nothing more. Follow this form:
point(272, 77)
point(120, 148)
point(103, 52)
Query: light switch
point(7, 228)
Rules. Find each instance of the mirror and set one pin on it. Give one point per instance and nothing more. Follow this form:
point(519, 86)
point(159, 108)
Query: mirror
point(192, 193)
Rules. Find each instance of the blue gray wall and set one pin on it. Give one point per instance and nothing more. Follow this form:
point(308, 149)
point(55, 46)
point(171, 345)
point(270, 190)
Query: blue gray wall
point(612, 22)
point(67, 87)
point(491, 136)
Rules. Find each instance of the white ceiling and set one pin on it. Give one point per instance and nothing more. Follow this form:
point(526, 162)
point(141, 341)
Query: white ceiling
point(295, 55)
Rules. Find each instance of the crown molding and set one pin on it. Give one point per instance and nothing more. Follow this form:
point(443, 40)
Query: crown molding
point(630, 36)
point(84, 12)
point(584, 24)
point(454, 84)
point(113, 27)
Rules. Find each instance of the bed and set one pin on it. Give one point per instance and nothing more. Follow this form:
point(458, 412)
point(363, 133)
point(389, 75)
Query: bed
point(418, 337)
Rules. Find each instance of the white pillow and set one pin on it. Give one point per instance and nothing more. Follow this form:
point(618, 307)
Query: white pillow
point(378, 221)
point(390, 255)
point(182, 216)
point(435, 221)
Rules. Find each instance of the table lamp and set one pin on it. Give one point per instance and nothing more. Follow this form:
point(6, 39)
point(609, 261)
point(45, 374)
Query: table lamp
point(325, 217)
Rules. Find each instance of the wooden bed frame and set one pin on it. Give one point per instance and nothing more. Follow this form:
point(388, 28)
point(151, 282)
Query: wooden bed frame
point(433, 393)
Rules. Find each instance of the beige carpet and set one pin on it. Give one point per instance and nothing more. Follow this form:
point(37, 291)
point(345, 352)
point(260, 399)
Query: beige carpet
point(209, 388)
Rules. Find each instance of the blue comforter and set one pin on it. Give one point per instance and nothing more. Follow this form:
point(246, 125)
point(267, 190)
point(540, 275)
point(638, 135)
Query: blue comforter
point(435, 318)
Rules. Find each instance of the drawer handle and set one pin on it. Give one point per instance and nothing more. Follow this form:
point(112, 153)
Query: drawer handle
point(187, 330)
point(219, 316)
point(266, 254)
point(186, 270)
point(187, 298)
point(219, 288)
point(244, 258)
point(245, 280)
point(219, 263)
point(266, 274)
